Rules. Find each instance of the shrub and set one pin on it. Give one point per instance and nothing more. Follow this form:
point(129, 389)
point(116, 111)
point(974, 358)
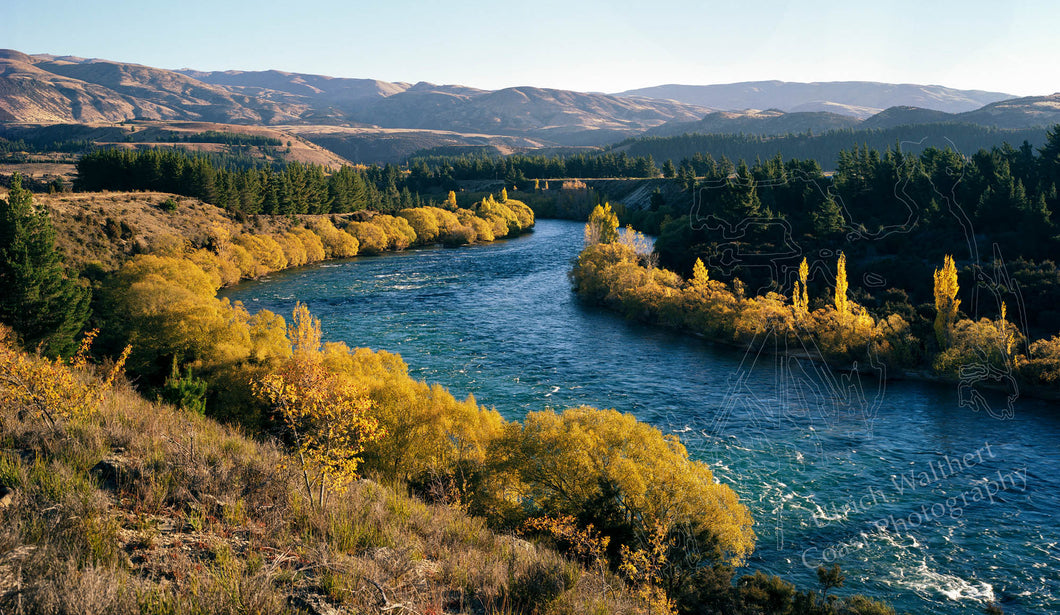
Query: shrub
point(371, 239)
point(337, 243)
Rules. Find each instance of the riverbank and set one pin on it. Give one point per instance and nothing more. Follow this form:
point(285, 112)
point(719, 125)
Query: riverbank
point(98, 232)
point(979, 356)
point(499, 321)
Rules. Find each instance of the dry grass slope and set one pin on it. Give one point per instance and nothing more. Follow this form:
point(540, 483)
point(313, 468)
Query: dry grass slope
point(139, 507)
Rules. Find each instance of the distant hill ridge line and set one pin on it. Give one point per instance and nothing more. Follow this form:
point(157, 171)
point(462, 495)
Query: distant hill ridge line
point(68, 89)
point(858, 98)
point(375, 120)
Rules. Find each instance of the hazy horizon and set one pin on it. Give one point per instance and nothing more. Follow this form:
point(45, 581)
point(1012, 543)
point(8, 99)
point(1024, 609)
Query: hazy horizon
point(514, 85)
point(592, 46)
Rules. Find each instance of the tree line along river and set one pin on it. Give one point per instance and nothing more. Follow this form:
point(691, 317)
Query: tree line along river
point(924, 503)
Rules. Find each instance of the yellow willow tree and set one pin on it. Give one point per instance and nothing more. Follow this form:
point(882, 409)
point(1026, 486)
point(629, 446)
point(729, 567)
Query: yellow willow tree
point(326, 415)
point(946, 301)
point(700, 275)
point(800, 298)
point(602, 226)
point(842, 304)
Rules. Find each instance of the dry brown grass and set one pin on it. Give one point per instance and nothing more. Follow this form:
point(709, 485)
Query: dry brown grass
point(41, 170)
point(108, 227)
point(145, 508)
point(143, 132)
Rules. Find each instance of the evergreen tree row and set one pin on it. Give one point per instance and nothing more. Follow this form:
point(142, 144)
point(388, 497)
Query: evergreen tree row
point(517, 168)
point(892, 212)
point(219, 136)
point(825, 148)
point(293, 188)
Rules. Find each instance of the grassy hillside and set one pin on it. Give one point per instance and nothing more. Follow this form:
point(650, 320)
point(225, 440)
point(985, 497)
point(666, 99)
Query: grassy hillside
point(135, 506)
point(262, 143)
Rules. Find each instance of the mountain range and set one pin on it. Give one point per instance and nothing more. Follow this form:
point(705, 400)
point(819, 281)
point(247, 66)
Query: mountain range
point(49, 89)
point(373, 120)
point(1015, 113)
point(860, 99)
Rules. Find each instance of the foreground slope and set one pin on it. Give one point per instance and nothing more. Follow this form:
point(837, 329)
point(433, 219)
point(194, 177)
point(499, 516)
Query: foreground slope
point(132, 506)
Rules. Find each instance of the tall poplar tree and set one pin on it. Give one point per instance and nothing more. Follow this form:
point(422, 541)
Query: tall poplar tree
point(38, 300)
point(801, 297)
point(946, 301)
point(842, 304)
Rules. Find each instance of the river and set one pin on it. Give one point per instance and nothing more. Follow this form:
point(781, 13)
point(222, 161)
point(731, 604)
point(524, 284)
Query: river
point(927, 504)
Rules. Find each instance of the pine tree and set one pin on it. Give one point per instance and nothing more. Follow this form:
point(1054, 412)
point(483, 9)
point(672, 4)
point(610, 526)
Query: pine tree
point(739, 201)
point(43, 306)
point(946, 301)
point(1049, 162)
point(827, 218)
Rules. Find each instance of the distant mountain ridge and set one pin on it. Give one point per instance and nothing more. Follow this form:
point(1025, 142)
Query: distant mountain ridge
point(50, 89)
point(860, 99)
point(771, 122)
point(386, 121)
point(1013, 114)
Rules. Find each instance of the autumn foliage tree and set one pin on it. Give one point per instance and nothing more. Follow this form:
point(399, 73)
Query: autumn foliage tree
point(801, 297)
point(625, 478)
point(602, 226)
point(55, 390)
point(700, 275)
point(946, 301)
point(326, 417)
point(842, 304)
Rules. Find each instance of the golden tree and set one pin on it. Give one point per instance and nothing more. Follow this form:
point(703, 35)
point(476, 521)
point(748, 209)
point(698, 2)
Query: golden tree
point(450, 200)
point(700, 275)
point(842, 304)
point(609, 468)
point(602, 226)
point(585, 544)
point(801, 297)
point(56, 390)
point(644, 568)
point(946, 301)
point(326, 415)
point(1008, 336)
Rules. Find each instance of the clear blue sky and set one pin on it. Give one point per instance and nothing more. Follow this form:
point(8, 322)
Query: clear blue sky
point(1008, 46)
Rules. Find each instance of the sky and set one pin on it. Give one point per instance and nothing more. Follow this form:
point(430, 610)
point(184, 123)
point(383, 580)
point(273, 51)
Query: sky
point(606, 46)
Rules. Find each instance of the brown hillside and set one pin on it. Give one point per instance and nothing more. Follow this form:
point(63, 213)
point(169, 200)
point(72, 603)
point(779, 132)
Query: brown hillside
point(45, 88)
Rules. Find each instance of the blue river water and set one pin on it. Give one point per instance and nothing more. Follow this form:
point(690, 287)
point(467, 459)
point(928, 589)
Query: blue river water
point(929, 505)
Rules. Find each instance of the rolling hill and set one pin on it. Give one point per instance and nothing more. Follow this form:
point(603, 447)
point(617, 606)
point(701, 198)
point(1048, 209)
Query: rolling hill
point(1014, 114)
point(860, 99)
point(769, 123)
point(1017, 112)
point(49, 89)
point(368, 120)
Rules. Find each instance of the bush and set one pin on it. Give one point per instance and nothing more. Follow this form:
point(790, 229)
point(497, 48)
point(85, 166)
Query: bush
point(623, 476)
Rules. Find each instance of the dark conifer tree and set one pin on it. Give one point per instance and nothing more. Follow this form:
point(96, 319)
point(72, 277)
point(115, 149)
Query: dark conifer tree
point(44, 306)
